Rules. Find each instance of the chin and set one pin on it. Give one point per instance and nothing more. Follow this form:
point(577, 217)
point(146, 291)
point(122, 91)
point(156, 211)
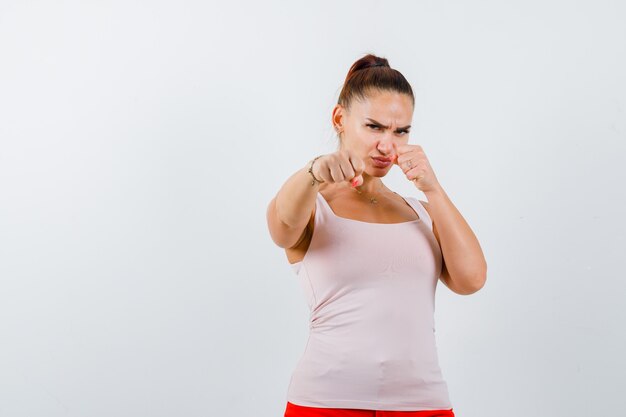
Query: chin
point(378, 172)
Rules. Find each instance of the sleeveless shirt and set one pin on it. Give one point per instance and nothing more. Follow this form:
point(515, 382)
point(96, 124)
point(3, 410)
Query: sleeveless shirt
point(370, 288)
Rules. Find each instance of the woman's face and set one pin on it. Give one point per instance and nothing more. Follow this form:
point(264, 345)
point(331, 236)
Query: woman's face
point(372, 127)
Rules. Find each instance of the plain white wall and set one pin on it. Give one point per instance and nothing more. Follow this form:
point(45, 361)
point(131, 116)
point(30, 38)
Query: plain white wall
point(141, 142)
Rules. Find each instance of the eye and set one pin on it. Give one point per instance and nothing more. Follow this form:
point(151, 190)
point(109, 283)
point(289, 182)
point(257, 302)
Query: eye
point(372, 125)
point(404, 131)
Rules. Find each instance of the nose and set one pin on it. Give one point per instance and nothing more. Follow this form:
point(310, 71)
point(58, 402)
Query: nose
point(385, 146)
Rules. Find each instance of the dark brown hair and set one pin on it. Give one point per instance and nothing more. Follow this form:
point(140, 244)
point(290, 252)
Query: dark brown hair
point(372, 73)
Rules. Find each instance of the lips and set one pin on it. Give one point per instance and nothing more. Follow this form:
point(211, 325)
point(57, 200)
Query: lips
point(381, 162)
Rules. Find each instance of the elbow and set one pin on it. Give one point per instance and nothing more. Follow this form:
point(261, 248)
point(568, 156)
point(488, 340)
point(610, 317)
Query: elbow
point(478, 282)
point(470, 289)
point(473, 284)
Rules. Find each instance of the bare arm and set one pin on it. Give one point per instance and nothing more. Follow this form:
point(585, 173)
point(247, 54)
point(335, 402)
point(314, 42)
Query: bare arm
point(291, 209)
point(465, 268)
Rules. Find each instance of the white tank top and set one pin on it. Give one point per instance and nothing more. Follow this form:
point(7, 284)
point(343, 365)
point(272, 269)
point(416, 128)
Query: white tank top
point(370, 288)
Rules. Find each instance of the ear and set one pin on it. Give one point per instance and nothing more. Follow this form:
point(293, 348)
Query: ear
point(337, 117)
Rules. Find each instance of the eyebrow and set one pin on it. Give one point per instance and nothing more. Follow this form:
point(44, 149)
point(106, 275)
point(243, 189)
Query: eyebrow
point(386, 127)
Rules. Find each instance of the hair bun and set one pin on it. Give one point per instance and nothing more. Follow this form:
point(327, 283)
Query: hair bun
point(372, 61)
point(379, 64)
point(358, 83)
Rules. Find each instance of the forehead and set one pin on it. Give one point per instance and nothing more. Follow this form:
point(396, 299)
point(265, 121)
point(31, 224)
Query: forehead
point(384, 107)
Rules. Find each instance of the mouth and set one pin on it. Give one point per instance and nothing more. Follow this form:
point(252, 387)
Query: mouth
point(380, 158)
point(382, 162)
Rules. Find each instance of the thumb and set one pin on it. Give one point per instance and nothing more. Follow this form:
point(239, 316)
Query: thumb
point(395, 157)
point(357, 181)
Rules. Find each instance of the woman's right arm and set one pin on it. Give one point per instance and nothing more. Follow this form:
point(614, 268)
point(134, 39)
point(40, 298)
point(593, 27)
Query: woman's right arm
point(291, 209)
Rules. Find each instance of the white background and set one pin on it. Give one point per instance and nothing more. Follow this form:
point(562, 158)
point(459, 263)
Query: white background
point(141, 142)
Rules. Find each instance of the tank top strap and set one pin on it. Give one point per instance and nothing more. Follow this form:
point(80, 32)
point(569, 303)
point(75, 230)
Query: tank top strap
point(421, 211)
point(323, 212)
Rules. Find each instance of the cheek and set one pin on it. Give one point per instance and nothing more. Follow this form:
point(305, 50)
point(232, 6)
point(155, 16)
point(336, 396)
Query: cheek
point(366, 141)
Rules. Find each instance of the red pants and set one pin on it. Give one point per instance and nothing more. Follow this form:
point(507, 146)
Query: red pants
point(294, 410)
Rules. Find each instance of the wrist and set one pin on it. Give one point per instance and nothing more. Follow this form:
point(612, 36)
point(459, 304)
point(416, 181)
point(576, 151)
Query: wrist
point(435, 192)
point(309, 169)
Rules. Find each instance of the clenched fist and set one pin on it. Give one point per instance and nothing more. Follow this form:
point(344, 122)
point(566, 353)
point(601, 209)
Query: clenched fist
point(416, 167)
point(339, 166)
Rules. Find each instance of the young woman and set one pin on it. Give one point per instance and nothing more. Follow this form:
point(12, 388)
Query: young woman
point(369, 259)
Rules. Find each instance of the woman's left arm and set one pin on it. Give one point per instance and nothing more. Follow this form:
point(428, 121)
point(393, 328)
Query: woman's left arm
point(464, 268)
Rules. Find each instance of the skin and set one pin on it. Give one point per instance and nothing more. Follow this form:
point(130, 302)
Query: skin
point(464, 266)
point(360, 135)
